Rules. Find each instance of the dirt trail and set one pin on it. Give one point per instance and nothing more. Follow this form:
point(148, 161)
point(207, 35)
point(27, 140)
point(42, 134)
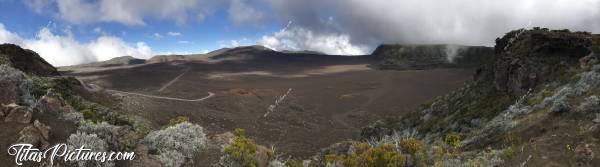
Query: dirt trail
point(210, 94)
point(96, 88)
point(174, 80)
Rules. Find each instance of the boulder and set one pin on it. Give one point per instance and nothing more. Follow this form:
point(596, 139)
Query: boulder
point(36, 134)
point(19, 114)
point(262, 156)
point(53, 104)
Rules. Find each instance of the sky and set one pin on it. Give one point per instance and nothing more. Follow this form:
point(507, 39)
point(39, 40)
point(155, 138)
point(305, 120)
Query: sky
point(69, 32)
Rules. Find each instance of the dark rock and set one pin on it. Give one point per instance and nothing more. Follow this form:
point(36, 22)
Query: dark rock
point(36, 134)
point(19, 114)
point(26, 60)
point(9, 92)
point(54, 104)
point(528, 58)
point(405, 57)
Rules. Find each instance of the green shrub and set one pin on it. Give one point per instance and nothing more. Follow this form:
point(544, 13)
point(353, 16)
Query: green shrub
point(90, 115)
point(453, 139)
point(178, 120)
point(411, 145)
point(384, 155)
point(243, 150)
point(507, 153)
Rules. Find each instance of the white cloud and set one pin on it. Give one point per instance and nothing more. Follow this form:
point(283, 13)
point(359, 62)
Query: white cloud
point(300, 39)
point(174, 33)
point(107, 47)
point(37, 5)
point(234, 43)
point(63, 50)
point(242, 13)
point(129, 12)
point(9, 37)
point(157, 35)
point(184, 42)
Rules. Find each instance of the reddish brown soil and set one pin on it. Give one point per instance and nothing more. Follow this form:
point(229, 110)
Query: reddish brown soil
point(319, 111)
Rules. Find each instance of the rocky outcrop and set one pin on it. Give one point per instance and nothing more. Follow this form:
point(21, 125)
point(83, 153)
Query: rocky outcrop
point(53, 104)
point(19, 114)
point(26, 60)
point(37, 134)
point(526, 59)
point(523, 60)
point(403, 57)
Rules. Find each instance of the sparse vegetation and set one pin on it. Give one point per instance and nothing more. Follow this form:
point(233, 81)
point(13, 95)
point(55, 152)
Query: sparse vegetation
point(93, 142)
point(23, 83)
point(590, 104)
point(182, 140)
point(241, 152)
point(178, 120)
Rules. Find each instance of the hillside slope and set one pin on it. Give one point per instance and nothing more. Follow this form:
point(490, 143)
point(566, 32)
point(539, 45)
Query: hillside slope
point(25, 60)
point(536, 103)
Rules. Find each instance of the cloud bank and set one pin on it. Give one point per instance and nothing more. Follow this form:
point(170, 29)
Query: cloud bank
point(347, 26)
point(467, 22)
point(64, 50)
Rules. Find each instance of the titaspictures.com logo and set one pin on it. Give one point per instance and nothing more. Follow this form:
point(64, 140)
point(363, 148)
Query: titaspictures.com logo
point(62, 152)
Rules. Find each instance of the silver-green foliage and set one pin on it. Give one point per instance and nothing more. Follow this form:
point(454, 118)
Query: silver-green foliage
point(25, 85)
point(107, 132)
point(89, 141)
point(184, 139)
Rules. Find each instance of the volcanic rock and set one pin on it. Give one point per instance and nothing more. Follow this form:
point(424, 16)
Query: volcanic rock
point(19, 114)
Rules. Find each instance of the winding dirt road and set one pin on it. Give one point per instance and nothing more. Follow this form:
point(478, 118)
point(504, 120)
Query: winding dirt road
point(96, 88)
point(210, 94)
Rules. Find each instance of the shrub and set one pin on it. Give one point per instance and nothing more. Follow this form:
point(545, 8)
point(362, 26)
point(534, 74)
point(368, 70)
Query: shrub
point(105, 131)
point(171, 158)
point(411, 145)
point(507, 153)
point(381, 155)
point(91, 141)
point(560, 105)
point(184, 138)
point(242, 151)
point(590, 104)
point(178, 120)
point(24, 84)
point(90, 115)
point(588, 80)
point(453, 140)
point(75, 117)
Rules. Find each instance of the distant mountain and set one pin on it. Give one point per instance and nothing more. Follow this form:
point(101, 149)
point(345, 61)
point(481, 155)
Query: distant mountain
point(117, 61)
point(25, 60)
point(166, 58)
point(430, 56)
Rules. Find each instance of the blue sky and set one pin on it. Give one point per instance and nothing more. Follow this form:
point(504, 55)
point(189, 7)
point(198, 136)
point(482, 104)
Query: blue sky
point(68, 32)
point(163, 35)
